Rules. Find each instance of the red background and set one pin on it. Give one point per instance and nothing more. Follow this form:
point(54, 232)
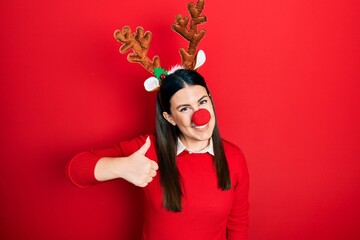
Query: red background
point(284, 76)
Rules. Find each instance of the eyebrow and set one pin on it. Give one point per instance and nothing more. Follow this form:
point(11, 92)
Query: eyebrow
point(187, 105)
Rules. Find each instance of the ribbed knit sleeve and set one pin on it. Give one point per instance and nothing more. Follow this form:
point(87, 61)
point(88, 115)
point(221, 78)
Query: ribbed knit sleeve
point(238, 220)
point(80, 169)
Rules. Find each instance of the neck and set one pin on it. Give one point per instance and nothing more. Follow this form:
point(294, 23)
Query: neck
point(194, 145)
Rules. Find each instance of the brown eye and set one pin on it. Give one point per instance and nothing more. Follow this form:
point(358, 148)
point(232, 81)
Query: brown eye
point(203, 101)
point(184, 109)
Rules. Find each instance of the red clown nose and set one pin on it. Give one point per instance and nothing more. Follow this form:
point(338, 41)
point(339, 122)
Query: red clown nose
point(201, 117)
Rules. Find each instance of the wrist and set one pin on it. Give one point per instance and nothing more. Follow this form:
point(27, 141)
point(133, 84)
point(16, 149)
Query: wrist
point(118, 166)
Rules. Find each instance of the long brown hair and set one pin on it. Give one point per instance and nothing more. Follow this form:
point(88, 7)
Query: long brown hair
point(167, 137)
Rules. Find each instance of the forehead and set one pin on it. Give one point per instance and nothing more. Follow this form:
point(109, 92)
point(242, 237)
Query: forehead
point(188, 95)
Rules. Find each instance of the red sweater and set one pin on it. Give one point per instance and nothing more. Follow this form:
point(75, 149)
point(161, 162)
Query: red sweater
point(208, 212)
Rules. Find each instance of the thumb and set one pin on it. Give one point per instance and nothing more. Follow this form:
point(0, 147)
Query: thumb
point(144, 147)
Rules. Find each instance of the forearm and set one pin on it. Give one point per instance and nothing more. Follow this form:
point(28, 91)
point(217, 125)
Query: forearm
point(109, 168)
point(81, 168)
point(89, 168)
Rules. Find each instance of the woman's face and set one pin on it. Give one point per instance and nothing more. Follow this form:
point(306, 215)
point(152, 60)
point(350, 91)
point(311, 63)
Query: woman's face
point(183, 104)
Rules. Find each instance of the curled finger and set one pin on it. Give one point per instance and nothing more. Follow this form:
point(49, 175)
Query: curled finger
point(149, 179)
point(152, 173)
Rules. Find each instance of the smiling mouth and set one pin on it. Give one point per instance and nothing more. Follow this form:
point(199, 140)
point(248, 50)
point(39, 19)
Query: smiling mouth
point(201, 127)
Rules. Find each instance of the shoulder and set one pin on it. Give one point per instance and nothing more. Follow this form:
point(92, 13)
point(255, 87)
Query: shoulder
point(231, 149)
point(234, 156)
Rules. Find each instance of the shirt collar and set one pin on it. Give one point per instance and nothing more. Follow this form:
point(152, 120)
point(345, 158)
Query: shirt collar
point(181, 147)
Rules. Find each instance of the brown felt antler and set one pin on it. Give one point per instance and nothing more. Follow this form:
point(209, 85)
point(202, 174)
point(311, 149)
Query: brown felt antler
point(191, 34)
point(139, 42)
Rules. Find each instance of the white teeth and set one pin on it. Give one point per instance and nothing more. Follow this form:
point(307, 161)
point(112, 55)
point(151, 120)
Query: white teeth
point(201, 127)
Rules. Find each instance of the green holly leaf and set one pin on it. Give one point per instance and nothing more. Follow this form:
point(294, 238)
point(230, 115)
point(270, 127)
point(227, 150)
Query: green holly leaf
point(158, 72)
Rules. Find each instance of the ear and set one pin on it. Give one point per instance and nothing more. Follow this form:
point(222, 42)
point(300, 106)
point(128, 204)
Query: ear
point(200, 59)
point(169, 118)
point(151, 84)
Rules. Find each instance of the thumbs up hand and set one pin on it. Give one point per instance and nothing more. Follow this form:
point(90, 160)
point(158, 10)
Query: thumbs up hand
point(138, 169)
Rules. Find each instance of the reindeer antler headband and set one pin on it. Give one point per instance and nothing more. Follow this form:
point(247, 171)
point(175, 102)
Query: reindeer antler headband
point(139, 42)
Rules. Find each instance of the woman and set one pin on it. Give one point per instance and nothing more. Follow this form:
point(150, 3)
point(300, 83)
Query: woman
point(201, 189)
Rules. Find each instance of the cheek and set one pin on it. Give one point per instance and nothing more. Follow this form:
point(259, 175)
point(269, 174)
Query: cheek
point(212, 113)
point(186, 120)
point(183, 119)
point(211, 110)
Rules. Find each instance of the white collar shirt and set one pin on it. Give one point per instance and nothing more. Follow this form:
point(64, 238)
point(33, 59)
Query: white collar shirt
point(181, 147)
